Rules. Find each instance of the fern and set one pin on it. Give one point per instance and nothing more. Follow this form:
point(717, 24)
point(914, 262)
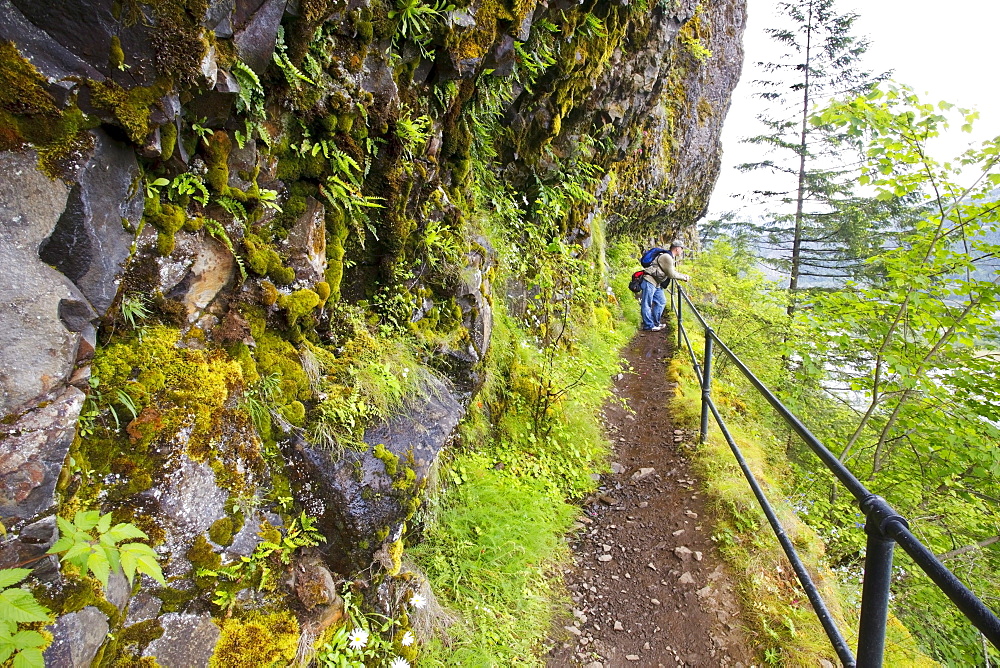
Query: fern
point(216, 230)
point(293, 75)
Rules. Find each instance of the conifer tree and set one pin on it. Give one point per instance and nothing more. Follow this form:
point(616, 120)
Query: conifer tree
point(825, 229)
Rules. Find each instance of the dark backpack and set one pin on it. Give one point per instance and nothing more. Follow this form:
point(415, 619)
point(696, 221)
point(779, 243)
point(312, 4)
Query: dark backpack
point(650, 256)
point(635, 285)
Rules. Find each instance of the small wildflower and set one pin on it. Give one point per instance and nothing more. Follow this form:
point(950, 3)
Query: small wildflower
point(358, 638)
point(417, 601)
point(408, 639)
point(399, 662)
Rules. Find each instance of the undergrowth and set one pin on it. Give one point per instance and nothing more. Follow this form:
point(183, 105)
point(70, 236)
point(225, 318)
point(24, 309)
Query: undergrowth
point(747, 312)
point(494, 536)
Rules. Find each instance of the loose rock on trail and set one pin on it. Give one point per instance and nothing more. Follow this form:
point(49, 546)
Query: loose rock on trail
point(648, 586)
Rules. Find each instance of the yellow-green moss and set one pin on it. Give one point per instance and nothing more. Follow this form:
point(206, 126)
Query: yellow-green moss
point(258, 640)
point(116, 57)
point(187, 387)
point(323, 290)
point(29, 115)
point(275, 355)
point(168, 140)
point(221, 531)
point(298, 304)
point(390, 460)
point(336, 236)
point(265, 261)
point(294, 412)
point(130, 107)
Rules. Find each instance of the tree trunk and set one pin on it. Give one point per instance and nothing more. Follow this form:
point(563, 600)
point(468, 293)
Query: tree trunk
point(793, 280)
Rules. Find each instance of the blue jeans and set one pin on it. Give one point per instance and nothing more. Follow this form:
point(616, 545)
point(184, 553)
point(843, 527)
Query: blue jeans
point(651, 304)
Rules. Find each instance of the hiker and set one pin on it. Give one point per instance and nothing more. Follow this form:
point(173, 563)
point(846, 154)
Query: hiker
point(658, 275)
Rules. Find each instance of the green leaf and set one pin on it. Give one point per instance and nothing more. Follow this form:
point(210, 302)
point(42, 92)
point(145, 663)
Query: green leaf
point(20, 606)
point(86, 520)
point(29, 658)
point(26, 639)
point(146, 561)
point(123, 531)
point(100, 567)
point(104, 524)
point(11, 576)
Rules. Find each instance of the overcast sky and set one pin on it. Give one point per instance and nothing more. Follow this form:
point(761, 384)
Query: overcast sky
point(946, 51)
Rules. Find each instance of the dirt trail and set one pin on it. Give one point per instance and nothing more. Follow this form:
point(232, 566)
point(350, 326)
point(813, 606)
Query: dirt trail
point(648, 586)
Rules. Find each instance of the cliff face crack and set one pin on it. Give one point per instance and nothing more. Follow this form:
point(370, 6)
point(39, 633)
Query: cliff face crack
point(648, 585)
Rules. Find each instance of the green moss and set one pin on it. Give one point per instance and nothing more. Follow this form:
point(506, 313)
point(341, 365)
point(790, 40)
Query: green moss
point(269, 293)
point(257, 640)
point(277, 356)
point(131, 107)
point(24, 88)
point(336, 236)
point(298, 304)
point(217, 161)
point(323, 290)
point(168, 219)
point(294, 412)
point(390, 460)
point(29, 115)
point(221, 531)
point(179, 40)
point(263, 260)
point(168, 140)
point(187, 387)
point(203, 556)
point(116, 57)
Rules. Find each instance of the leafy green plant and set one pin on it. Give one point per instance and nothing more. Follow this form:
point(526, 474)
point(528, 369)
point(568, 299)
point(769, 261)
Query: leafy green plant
point(216, 230)
point(412, 132)
point(153, 187)
point(250, 102)
point(293, 75)
point(258, 400)
point(199, 128)
point(233, 207)
point(365, 640)
point(415, 20)
point(257, 570)
point(18, 606)
point(134, 308)
point(189, 185)
point(91, 544)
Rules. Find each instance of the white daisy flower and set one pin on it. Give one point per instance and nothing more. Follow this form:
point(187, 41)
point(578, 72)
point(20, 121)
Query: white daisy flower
point(358, 638)
point(399, 662)
point(417, 601)
point(408, 639)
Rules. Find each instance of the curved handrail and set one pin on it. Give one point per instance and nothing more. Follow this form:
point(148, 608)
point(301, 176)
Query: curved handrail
point(884, 526)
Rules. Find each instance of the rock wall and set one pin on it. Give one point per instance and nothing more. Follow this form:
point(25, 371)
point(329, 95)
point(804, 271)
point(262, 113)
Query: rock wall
point(220, 218)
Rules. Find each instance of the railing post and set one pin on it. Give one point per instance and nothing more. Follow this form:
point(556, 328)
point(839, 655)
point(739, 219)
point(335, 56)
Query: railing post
point(877, 579)
point(706, 384)
point(680, 309)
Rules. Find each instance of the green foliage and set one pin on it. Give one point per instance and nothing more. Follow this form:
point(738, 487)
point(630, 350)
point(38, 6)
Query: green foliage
point(747, 313)
point(215, 229)
point(90, 544)
point(18, 606)
point(250, 103)
point(134, 308)
point(261, 569)
point(188, 185)
point(415, 20)
point(412, 132)
point(362, 641)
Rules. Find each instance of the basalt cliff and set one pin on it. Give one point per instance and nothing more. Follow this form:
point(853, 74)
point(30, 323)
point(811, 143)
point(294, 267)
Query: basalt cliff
point(252, 256)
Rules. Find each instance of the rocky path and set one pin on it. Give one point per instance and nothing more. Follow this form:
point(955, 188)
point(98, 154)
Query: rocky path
point(648, 586)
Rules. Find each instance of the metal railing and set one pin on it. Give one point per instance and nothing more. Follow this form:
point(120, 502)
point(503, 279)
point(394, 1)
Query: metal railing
point(884, 526)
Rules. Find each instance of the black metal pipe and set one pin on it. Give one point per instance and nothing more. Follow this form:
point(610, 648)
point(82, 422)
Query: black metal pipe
point(889, 523)
point(966, 601)
point(706, 386)
point(819, 606)
point(877, 580)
